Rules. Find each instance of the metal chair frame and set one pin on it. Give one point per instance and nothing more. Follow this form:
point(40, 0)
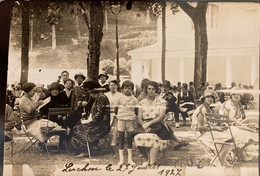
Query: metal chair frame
point(223, 120)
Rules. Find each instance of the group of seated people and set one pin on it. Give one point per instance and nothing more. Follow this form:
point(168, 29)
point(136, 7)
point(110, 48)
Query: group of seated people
point(97, 107)
point(240, 124)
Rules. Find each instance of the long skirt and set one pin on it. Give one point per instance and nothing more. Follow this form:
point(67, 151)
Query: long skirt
point(87, 133)
point(241, 136)
point(158, 137)
point(35, 129)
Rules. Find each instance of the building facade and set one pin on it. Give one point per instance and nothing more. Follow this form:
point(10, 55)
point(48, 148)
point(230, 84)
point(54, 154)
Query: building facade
point(233, 46)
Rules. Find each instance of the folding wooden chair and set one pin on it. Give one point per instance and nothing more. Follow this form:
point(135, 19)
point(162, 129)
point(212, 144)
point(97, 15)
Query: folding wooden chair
point(57, 111)
point(22, 133)
point(32, 141)
point(221, 120)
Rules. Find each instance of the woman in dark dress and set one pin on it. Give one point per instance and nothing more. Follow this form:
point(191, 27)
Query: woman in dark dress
point(96, 125)
point(55, 102)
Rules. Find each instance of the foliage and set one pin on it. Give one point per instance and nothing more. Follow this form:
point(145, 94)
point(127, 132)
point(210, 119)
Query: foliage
point(174, 8)
point(156, 7)
point(54, 13)
point(107, 66)
point(124, 67)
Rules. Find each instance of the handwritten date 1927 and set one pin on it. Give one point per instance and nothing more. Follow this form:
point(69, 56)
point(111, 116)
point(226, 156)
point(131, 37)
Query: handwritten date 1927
point(170, 172)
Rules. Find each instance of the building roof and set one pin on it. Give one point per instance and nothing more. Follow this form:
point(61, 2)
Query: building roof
point(154, 52)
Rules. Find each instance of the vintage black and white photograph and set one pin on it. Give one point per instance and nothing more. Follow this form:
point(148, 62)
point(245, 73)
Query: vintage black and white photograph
point(130, 87)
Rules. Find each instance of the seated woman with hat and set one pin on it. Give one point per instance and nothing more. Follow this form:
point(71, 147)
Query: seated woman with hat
point(235, 110)
point(55, 102)
point(201, 129)
point(232, 107)
point(31, 115)
point(96, 125)
point(246, 125)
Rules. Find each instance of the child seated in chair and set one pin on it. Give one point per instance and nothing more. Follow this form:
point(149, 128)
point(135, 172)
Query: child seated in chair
point(126, 120)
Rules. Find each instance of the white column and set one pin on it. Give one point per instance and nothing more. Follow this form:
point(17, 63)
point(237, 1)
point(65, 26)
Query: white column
point(181, 70)
point(254, 70)
point(136, 71)
point(158, 71)
point(228, 71)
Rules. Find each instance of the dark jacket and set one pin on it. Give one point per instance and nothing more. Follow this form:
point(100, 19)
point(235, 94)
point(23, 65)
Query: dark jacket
point(54, 103)
point(101, 110)
point(182, 98)
point(77, 95)
point(65, 101)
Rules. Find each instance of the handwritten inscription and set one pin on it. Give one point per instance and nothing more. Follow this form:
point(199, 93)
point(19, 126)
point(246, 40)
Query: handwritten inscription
point(170, 172)
point(129, 169)
point(70, 168)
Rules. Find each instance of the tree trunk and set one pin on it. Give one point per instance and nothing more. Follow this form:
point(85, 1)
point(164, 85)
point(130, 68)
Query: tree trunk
point(31, 35)
point(148, 17)
point(201, 47)
point(198, 16)
point(163, 42)
point(5, 21)
point(95, 38)
point(77, 26)
point(25, 42)
point(106, 22)
point(53, 36)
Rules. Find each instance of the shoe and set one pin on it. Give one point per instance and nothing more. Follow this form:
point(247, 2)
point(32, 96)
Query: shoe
point(8, 139)
point(181, 144)
point(246, 158)
point(81, 155)
point(42, 146)
point(145, 164)
point(57, 130)
point(177, 125)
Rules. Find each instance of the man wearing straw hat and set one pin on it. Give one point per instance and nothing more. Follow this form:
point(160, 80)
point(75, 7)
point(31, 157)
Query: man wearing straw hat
point(79, 78)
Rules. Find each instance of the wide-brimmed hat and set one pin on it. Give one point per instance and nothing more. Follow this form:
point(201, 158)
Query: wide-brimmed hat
point(103, 74)
point(235, 90)
point(39, 85)
point(80, 74)
point(91, 86)
point(208, 93)
point(55, 85)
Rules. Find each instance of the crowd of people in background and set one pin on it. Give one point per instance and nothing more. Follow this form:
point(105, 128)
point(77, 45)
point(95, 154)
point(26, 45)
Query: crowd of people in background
point(135, 112)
